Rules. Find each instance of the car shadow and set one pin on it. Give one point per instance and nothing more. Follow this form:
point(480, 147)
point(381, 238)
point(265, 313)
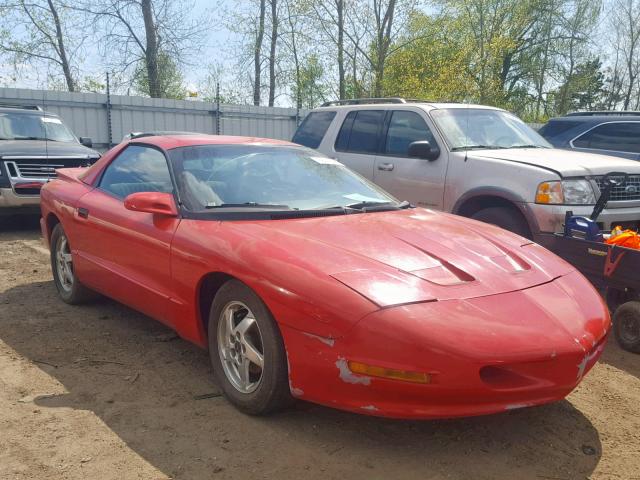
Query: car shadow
point(156, 393)
point(16, 225)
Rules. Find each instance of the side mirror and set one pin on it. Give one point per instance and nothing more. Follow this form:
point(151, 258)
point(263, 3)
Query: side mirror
point(423, 149)
point(158, 203)
point(86, 141)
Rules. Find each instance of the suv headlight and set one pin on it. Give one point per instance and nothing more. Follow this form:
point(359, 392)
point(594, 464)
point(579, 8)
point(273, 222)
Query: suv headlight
point(566, 192)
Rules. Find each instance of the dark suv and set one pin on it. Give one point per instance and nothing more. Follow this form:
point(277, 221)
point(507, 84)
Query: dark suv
point(611, 133)
point(33, 144)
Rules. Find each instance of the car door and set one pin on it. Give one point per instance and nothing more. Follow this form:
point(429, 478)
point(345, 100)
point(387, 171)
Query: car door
point(126, 254)
point(416, 180)
point(358, 140)
point(621, 139)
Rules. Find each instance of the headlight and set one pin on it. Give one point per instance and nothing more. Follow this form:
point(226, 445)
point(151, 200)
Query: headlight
point(566, 192)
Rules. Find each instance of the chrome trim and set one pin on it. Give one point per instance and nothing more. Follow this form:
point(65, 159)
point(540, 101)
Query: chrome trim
point(602, 149)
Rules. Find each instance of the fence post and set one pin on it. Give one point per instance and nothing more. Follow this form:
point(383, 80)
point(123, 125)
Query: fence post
point(109, 129)
point(218, 108)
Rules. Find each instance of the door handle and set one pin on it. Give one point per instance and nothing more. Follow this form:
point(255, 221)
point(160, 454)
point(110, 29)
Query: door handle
point(387, 167)
point(83, 212)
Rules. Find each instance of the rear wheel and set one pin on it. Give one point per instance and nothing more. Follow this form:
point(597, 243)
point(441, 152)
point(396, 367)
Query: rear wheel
point(70, 289)
point(626, 326)
point(504, 217)
point(247, 351)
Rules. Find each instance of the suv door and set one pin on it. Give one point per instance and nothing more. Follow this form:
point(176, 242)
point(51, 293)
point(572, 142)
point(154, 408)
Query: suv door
point(358, 140)
point(417, 180)
point(621, 139)
point(125, 253)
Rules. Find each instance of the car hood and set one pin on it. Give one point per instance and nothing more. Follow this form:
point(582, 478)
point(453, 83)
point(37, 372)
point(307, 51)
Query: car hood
point(42, 148)
point(409, 256)
point(566, 163)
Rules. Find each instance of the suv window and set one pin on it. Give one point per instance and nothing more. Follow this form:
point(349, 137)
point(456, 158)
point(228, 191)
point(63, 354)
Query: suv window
point(405, 128)
point(313, 128)
point(137, 169)
point(618, 136)
point(360, 131)
point(555, 128)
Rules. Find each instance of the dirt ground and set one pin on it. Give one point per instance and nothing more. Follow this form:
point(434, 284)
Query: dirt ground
point(102, 392)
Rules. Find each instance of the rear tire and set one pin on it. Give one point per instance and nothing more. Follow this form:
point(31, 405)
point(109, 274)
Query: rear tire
point(242, 334)
point(504, 217)
point(70, 288)
point(626, 326)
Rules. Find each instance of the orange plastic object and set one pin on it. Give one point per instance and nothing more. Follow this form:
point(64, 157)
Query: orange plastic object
point(626, 238)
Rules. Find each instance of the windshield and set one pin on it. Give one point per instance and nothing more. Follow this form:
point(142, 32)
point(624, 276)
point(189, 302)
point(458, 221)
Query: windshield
point(33, 127)
point(281, 177)
point(476, 128)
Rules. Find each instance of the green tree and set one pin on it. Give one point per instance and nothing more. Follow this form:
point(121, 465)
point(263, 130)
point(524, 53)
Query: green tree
point(169, 81)
point(583, 90)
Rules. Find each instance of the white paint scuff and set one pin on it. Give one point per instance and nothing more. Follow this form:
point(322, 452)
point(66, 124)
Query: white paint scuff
point(327, 341)
point(348, 376)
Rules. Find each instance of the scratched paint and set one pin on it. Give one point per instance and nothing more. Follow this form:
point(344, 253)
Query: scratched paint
point(326, 341)
point(296, 392)
point(582, 366)
point(369, 408)
point(348, 376)
point(515, 406)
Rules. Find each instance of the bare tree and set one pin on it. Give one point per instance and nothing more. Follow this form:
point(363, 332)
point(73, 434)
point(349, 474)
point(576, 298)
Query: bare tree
point(159, 34)
point(257, 54)
point(39, 33)
point(272, 52)
point(330, 17)
point(625, 21)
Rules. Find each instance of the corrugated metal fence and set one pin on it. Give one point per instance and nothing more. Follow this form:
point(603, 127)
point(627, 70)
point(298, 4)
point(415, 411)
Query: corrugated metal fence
point(106, 119)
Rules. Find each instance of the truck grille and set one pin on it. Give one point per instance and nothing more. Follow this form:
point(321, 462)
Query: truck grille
point(629, 191)
point(42, 169)
point(34, 170)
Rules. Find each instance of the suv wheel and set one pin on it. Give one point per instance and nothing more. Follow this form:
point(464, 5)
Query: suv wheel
point(504, 217)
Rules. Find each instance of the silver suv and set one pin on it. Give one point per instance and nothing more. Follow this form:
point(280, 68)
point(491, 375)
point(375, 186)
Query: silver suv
point(472, 160)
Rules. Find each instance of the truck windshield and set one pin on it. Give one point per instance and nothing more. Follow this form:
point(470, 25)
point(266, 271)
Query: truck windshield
point(479, 128)
point(21, 126)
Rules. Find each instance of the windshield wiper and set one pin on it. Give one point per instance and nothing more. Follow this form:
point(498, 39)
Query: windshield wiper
point(477, 147)
point(248, 205)
point(34, 138)
point(369, 206)
point(528, 146)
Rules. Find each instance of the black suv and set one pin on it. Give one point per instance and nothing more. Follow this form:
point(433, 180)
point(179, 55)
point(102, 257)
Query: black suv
point(607, 132)
point(33, 144)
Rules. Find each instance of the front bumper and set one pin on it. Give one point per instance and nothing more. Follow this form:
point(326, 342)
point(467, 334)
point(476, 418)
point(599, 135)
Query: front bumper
point(550, 218)
point(484, 355)
point(11, 202)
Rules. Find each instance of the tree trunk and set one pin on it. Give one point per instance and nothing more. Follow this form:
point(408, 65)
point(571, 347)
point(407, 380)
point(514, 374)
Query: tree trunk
point(64, 61)
point(256, 55)
point(272, 52)
point(383, 43)
point(341, 85)
point(151, 50)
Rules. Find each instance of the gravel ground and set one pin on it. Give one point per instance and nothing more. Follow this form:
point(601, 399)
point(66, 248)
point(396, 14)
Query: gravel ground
point(103, 392)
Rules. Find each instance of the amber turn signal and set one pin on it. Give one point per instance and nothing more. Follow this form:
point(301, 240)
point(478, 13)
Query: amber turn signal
point(550, 193)
point(381, 372)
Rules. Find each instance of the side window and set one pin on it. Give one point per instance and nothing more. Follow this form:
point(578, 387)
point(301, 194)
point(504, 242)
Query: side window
point(137, 169)
point(619, 136)
point(364, 133)
point(313, 128)
point(342, 142)
point(405, 128)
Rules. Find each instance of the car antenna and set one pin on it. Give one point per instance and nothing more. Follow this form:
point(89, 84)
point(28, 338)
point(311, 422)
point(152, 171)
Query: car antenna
point(466, 130)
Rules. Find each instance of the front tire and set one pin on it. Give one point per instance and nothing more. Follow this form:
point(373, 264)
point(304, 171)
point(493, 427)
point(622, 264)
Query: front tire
point(70, 288)
point(626, 326)
point(247, 351)
point(504, 217)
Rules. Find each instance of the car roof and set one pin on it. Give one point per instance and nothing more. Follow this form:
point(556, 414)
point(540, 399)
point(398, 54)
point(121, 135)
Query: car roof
point(420, 104)
point(591, 119)
point(25, 111)
point(170, 141)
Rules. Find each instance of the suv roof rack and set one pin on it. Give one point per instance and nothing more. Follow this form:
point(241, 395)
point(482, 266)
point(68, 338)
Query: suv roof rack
point(365, 101)
point(602, 113)
point(158, 133)
point(22, 107)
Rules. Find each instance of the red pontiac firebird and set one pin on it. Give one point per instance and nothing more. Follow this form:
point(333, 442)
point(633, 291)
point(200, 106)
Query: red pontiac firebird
point(306, 281)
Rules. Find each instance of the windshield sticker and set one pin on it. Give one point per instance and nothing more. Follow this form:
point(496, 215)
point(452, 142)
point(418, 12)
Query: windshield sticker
point(325, 160)
point(51, 120)
point(356, 197)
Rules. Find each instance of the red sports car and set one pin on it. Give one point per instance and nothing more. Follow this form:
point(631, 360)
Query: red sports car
point(306, 281)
